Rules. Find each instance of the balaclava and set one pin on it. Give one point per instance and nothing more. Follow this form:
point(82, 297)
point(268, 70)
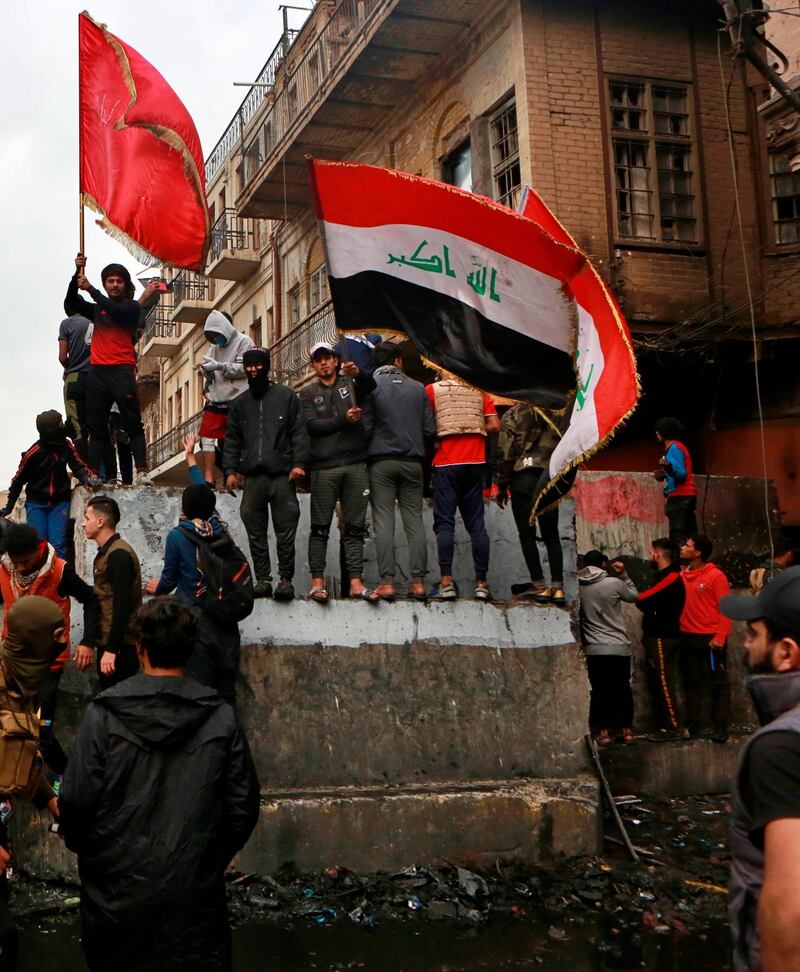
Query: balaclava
point(259, 384)
point(50, 426)
point(29, 649)
point(120, 271)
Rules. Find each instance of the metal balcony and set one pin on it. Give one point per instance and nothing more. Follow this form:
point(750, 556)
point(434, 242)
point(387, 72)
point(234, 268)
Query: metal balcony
point(170, 445)
point(363, 65)
point(233, 133)
point(232, 255)
point(289, 362)
point(192, 298)
point(160, 336)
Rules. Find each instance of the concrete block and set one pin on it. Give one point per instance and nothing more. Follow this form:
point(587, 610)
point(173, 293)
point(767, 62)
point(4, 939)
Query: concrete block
point(685, 768)
point(530, 821)
point(321, 716)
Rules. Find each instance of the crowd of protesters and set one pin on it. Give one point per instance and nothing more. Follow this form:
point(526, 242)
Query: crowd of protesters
point(161, 774)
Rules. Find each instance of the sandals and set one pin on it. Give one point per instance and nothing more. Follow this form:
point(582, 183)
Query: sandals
point(371, 597)
point(628, 736)
point(389, 598)
point(417, 595)
point(319, 594)
point(603, 738)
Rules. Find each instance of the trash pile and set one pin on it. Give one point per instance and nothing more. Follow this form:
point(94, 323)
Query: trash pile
point(678, 885)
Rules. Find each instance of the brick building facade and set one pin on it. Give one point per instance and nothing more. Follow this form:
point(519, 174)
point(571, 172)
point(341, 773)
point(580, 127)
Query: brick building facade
point(614, 110)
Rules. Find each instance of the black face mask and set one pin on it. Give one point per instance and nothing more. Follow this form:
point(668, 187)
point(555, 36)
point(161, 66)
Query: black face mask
point(54, 437)
point(259, 384)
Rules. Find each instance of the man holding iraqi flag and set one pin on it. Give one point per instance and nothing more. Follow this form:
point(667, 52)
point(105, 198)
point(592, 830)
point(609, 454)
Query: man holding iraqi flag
point(504, 301)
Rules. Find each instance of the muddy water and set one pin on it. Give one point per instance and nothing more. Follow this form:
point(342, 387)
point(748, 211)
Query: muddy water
point(417, 947)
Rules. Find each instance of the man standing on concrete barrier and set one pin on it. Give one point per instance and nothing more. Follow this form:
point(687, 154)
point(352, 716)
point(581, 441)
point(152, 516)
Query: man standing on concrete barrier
point(118, 585)
point(338, 465)
point(74, 357)
point(764, 902)
point(112, 375)
point(704, 636)
point(266, 442)
point(223, 368)
point(215, 659)
point(661, 606)
point(159, 797)
point(464, 418)
point(524, 447)
point(398, 424)
point(604, 587)
point(675, 472)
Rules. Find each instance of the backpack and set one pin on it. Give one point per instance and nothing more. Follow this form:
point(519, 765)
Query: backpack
point(21, 763)
point(227, 592)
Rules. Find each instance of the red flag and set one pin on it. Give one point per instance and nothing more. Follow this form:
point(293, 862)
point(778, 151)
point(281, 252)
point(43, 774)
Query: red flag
point(141, 164)
point(608, 383)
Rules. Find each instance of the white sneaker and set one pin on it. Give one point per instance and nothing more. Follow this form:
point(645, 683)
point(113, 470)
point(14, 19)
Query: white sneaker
point(142, 479)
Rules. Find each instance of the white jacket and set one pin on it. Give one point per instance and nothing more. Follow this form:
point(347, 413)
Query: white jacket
point(223, 363)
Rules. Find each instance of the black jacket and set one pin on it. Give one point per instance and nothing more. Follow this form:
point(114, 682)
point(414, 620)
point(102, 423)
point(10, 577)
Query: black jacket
point(265, 435)
point(398, 421)
point(334, 440)
point(43, 473)
point(662, 604)
point(159, 795)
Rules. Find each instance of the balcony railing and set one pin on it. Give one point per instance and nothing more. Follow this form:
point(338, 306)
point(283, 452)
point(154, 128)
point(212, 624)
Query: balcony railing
point(306, 80)
point(169, 445)
point(289, 355)
point(190, 286)
point(158, 321)
point(250, 105)
point(230, 232)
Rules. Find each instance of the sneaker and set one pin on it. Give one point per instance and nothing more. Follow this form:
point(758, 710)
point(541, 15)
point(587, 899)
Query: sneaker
point(142, 479)
point(113, 482)
point(448, 592)
point(263, 588)
point(284, 591)
point(482, 593)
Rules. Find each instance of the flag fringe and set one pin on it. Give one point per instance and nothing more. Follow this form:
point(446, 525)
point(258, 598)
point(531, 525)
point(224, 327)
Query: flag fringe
point(137, 251)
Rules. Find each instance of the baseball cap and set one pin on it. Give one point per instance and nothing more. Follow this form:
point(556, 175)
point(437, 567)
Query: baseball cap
point(779, 602)
point(321, 346)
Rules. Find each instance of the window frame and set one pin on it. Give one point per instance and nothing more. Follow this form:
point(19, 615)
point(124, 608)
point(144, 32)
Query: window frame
point(773, 154)
point(293, 305)
point(501, 167)
point(318, 273)
point(652, 140)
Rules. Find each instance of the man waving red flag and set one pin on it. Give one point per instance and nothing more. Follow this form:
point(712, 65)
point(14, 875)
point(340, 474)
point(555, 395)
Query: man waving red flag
point(141, 164)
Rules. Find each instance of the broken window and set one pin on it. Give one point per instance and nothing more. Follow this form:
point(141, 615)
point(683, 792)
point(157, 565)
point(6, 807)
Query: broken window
point(652, 156)
point(785, 185)
point(506, 175)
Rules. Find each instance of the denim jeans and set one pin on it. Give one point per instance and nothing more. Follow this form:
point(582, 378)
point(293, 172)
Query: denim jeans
point(50, 522)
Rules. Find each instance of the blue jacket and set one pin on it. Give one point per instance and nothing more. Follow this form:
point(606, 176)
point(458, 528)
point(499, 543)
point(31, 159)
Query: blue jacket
point(180, 572)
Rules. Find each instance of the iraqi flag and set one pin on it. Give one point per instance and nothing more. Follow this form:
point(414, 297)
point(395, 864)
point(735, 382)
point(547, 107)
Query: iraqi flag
point(141, 164)
point(483, 292)
point(608, 383)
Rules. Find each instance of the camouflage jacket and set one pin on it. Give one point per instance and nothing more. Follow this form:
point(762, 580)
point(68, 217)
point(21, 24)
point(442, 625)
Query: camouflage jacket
point(526, 441)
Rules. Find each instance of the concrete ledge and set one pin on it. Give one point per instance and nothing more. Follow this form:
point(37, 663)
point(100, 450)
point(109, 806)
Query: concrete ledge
point(662, 769)
point(531, 821)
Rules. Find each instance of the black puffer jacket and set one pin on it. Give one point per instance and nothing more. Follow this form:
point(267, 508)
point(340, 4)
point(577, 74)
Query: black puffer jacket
point(265, 435)
point(159, 795)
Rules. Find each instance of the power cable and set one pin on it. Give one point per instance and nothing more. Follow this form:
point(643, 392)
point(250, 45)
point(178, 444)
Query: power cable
point(748, 287)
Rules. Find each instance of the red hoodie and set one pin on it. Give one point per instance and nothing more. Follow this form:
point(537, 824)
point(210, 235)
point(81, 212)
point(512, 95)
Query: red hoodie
point(701, 614)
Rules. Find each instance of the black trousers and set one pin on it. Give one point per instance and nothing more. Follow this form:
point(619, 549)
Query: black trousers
point(680, 511)
point(54, 755)
point(611, 703)
point(215, 659)
point(264, 494)
point(662, 657)
point(75, 407)
point(127, 664)
point(108, 384)
point(523, 485)
point(708, 689)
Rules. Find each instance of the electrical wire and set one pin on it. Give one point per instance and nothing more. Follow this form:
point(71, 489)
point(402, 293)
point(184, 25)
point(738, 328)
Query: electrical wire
point(748, 287)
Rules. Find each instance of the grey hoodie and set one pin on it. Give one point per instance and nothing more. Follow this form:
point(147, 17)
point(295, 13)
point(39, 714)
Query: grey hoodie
point(228, 381)
point(603, 628)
